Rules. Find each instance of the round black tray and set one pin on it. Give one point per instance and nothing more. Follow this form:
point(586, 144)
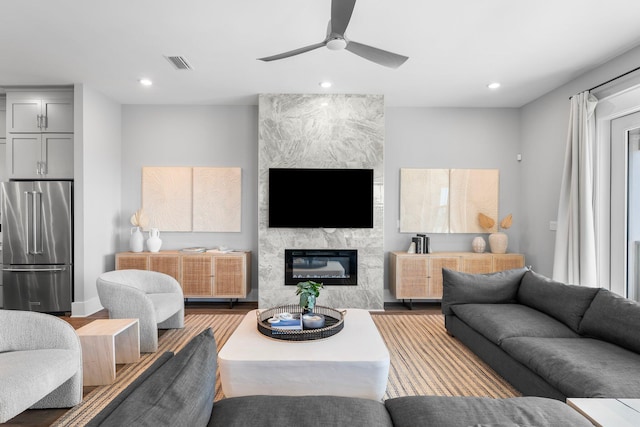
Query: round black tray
point(334, 322)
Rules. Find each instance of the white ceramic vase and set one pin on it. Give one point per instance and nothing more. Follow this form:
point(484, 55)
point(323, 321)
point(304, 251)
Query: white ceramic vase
point(154, 242)
point(498, 242)
point(478, 245)
point(136, 241)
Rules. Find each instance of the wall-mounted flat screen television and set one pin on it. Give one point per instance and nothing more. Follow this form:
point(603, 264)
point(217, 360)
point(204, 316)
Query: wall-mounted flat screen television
point(328, 198)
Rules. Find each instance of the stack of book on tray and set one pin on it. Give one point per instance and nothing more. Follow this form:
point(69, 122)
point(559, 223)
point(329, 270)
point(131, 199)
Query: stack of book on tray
point(294, 324)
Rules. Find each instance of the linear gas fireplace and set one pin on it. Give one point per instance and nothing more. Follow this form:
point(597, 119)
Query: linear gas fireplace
point(329, 266)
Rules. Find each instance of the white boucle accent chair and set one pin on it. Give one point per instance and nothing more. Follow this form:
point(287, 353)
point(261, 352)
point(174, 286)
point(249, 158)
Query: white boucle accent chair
point(154, 298)
point(40, 363)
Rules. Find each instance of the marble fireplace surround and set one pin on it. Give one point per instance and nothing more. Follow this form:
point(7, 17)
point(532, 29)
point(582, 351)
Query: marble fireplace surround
point(321, 131)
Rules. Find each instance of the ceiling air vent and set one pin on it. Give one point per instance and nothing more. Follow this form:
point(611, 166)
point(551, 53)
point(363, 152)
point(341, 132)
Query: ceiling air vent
point(179, 62)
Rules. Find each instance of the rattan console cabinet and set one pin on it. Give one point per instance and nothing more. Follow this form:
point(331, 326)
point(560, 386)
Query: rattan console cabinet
point(201, 275)
point(419, 276)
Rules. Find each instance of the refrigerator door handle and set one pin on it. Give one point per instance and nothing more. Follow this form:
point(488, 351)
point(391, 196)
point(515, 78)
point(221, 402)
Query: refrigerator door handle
point(32, 229)
point(37, 209)
point(26, 220)
point(31, 270)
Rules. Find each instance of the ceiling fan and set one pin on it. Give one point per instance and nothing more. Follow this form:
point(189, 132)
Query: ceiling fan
point(341, 11)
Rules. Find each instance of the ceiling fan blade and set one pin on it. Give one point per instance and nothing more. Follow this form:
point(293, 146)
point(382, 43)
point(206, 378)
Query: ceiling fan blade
point(379, 56)
point(293, 52)
point(341, 11)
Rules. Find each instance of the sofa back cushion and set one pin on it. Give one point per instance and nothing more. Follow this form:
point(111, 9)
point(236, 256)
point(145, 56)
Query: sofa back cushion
point(179, 392)
point(566, 303)
point(613, 318)
point(122, 396)
point(307, 411)
point(492, 288)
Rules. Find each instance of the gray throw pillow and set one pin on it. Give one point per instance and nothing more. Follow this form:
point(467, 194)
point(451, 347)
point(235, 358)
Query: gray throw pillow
point(492, 288)
point(566, 303)
point(614, 319)
point(178, 393)
point(122, 396)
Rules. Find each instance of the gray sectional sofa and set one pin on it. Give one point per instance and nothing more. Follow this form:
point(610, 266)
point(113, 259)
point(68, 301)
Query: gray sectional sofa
point(544, 337)
point(178, 390)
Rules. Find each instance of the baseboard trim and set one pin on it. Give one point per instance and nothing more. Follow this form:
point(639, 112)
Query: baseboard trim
point(85, 308)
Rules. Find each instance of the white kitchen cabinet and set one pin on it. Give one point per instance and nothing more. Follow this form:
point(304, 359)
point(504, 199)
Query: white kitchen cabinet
point(3, 118)
point(39, 155)
point(30, 113)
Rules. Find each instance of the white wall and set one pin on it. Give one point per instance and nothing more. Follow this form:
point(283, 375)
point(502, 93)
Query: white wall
point(543, 135)
point(97, 142)
point(173, 135)
point(467, 138)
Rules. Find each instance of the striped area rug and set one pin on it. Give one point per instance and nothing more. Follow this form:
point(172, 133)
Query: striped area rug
point(424, 361)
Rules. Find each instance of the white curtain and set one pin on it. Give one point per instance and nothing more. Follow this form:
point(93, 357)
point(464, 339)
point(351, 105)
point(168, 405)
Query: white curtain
point(575, 251)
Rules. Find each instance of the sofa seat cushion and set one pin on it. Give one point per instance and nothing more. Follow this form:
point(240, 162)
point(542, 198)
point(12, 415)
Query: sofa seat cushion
point(579, 367)
point(166, 304)
point(308, 411)
point(28, 376)
point(473, 411)
point(567, 303)
point(497, 322)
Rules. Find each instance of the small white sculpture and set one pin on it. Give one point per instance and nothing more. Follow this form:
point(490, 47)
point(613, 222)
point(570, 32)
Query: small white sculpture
point(478, 244)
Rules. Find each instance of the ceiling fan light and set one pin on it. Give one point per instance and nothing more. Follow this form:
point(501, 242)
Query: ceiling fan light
point(336, 44)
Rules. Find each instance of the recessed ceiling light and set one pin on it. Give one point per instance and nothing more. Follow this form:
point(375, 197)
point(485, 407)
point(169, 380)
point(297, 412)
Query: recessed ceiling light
point(325, 85)
point(146, 82)
point(494, 85)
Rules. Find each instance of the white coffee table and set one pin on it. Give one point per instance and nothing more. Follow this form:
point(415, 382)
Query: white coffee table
point(608, 412)
point(354, 362)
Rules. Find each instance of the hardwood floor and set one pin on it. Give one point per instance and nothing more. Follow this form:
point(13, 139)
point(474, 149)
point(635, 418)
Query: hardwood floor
point(45, 417)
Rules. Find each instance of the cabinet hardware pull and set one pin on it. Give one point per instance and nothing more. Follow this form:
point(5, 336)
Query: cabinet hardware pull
point(46, 121)
point(38, 121)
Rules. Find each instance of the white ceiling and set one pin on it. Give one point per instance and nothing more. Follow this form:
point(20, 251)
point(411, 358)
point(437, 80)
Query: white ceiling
point(456, 47)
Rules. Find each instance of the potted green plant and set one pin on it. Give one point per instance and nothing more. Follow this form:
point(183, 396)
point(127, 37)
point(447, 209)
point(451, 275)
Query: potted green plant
point(308, 292)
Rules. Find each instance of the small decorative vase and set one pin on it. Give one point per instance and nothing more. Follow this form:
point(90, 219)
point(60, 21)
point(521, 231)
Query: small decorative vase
point(311, 302)
point(478, 245)
point(154, 242)
point(136, 241)
point(498, 242)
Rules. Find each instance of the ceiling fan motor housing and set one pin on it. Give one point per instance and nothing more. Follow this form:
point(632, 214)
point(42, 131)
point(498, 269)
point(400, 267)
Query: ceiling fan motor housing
point(337, 43)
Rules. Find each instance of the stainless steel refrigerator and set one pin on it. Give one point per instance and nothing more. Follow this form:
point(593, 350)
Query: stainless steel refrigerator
point(37, 245)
